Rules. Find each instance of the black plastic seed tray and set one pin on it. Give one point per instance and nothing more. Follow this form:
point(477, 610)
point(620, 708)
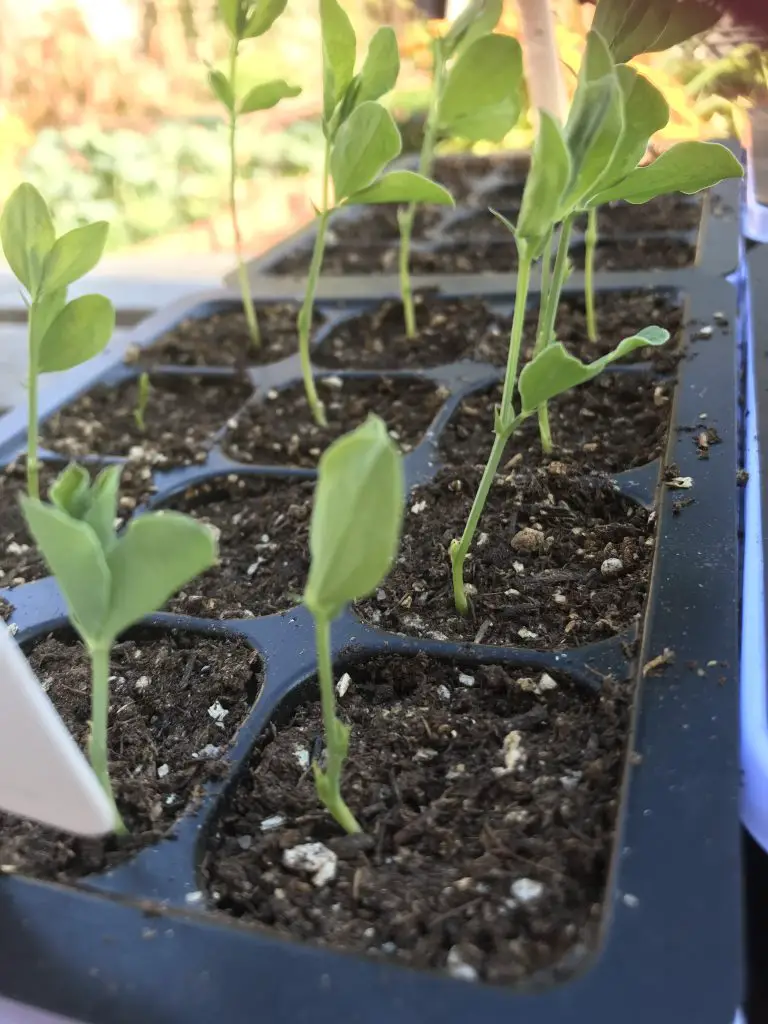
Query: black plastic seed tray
point(671, 941)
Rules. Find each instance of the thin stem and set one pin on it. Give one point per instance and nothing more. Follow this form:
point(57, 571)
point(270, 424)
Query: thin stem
point(33, 468)
point(97, 741)
point(307, 308)
point(551, 301)
point(328, 782)
point(590, 240)
point(406, 217)
point(506, 423)
point(242, 273)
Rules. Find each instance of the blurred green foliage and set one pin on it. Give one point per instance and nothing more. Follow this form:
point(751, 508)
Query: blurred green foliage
point(147, 183)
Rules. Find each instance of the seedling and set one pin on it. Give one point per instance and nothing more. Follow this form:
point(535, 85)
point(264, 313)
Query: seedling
point(245, 19)
point(642, 26)
point(110, 581)
point(476, 95)
point(593, 160)
point(361, 139)
point(354, 536)
point(61, 334)
point(142, 401)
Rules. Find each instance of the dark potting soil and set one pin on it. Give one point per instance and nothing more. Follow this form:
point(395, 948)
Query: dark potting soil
point(280, 429)
point(223, 339)
point(20, 561)
point(374, 224)
point(616, 422)
point(637, 254)
point(482, 224)
point(181, 416)
point(488, 799)
point(666, 213)
point(559, 560)
point(455, 329)
point(263, 526)
point(160, 693)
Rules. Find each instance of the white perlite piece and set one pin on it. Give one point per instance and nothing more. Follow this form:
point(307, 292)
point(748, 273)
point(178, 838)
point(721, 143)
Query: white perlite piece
point(526, 634)
point(418, 507)
point(343, 684)
point(270, 824)
point(313, 859)
point(163, 771)
point(218, 713)
point(630, 900)
point(526, 890)
point(466, 680)
point(512, 751)
point(142, 683)
point(443, 692)
point(458, 967)
point(612, 567)
point(302, 756)
point(680, 483)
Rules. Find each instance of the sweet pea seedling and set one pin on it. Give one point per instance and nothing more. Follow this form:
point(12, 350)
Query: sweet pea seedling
point(245, 19)
point(353, 539)
point(61, 334)
point(592, 160)
point(142, 401)
point(110, 581)
point(361, 139)
point(476, 95)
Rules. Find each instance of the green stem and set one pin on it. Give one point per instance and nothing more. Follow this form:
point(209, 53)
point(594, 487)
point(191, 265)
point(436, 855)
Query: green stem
point(307, 308)
point(505, 425)
point(33, 469)
point(97, 741)
point(242, 273)
point(589, 273)
point(406, 217)
point(328, 782)
point(551, 301)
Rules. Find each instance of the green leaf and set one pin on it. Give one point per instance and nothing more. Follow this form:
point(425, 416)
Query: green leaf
point(27, 235)
point(339, 48)
point(544, 187)
point(554, 370)
point(645, 113)
point(221, 89)
point(72, 553)
point(595, 122)
point(477, 19)
point(158, 553)
point(686, 167)
point(483, 93)
point(632, 27)
point(43, 312)
point(230, 12)
point(381, 66)
point(101, 511)
point(261, 16)
point(74, 255)
point(267, 95)
point(69, 491)
point(402, 187)
point(365, 143)
point(356, 519)
point(79, 332)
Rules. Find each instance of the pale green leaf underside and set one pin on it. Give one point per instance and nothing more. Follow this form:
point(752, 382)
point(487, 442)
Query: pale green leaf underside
point(267, 95)
point(365, 143)
point(79, 332)
point(555, 370)
point(74, 255)
point(546, 182)
point(482, 98)
point(381, 66)
point(402, 187)
point(27, 234)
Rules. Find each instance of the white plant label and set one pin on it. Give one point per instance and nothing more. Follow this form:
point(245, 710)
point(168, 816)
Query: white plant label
point(43, 773)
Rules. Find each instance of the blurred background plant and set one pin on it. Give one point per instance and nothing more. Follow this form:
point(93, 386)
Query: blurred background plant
point(105, 108)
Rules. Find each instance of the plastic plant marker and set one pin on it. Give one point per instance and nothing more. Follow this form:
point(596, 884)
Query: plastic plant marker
point(43, 773)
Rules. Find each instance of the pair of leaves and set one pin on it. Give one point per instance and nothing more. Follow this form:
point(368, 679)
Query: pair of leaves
point(40, 261)
point(341, 87)
point(261, 97)
point(632, 27)
point(555, 371)
point(356, 519)
point(109, 582)
point(479, 18)
point(483, 95)
point(247, 19)
point(365, 144)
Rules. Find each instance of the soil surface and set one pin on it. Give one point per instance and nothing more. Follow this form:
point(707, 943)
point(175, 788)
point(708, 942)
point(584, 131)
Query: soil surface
point(263, 525)
point(380, 224)
point(224, 340)
point(182, 415)
point(281, 430)
point(559, 560)
point(488, 799)
point(667, 213)
point(616, 422)
point(638, 254)
point(19, 558)
point(450, 330)
point(162, 689)
point(483, 224)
